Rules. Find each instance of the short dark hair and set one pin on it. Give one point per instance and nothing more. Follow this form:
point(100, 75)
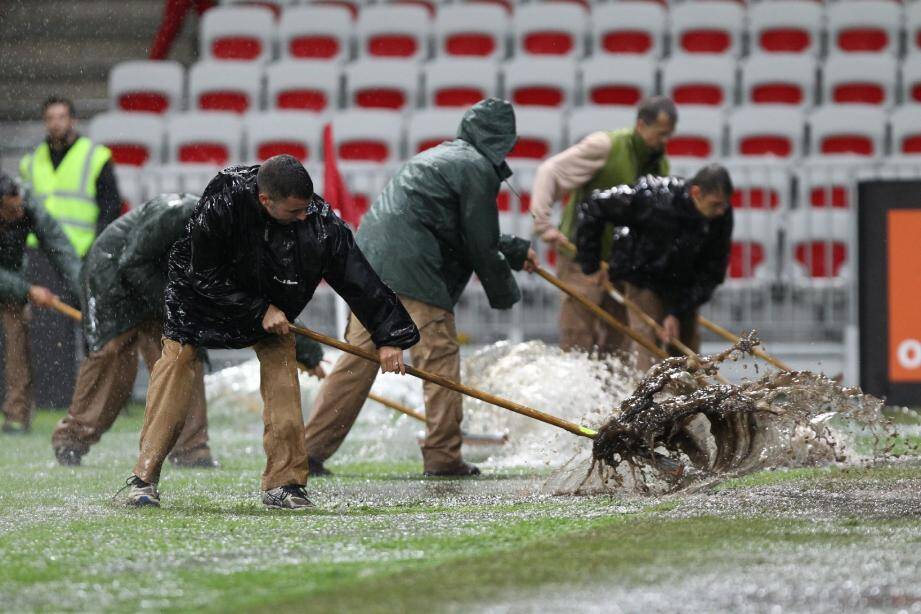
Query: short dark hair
point(713, 178)
point(8, 185)
point(55, 99)
point(650, 109)
point(282, 177)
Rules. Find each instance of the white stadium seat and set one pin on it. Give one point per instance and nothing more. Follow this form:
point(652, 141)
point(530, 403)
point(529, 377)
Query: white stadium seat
point(819, 246)
point(785, 26)
point(698, 136)
point(618, 80)
point(473, 29)
point(242, 33)
point(393, 31)
point(225, 86)
point(282, 132)
point(381, 84)
point(459, 82)
point(766, 131)
point(550, 29)
point(859, 78)
point(707, 27)
point(540, 135)
point(699, 80)
point(788, 79)
point(368, 137)
point(628, 27)
point(136, 139)
point(204, 138)
point(913, 28)
point(906, 131)
point(752, 257)
point(911, 79)
point(847, 130)
point(315, 32)
point(303, 85)
point(864, 26)
point(431, 127)
point(150, 86)
point(541, 82)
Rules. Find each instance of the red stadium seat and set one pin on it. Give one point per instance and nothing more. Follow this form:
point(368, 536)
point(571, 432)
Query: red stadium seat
point(539, 135)
point(766, 131)
point(549, 29)
point(618, 80)
point(459, 82)
point(864, 26)
point(237, 33)
point(847, 130)
point(540, 82)
point(431, 127)
point(860, 78)
point(368, 136)
point(471, 30)
point(136, 139)
point(225, 86)
point(146, 86)
point(282, 132)
point(204, 138)
point(699, 134)
point(303, 85)
point(628, 27)
point(393, 31)
point(785, 26)
point(778, 79)
point(707, 26)
point(381, 84)
point(315, 32)
point(699, 80)
point(906, 131)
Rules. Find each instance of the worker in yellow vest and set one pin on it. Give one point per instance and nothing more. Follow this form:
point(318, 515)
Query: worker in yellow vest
point(72, 177)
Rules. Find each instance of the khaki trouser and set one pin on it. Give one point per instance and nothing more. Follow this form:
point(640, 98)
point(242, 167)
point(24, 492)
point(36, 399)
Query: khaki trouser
point(346, 388)
point(650, 302)
point(104, 385)
point(168, 404)
point(20, 401)
point(581, 330)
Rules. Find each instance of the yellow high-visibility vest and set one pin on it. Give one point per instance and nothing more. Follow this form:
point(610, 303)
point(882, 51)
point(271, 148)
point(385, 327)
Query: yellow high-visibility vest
point(68, 192)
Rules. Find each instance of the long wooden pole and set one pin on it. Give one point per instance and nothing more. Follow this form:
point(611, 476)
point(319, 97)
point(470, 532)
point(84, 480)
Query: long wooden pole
point(396, 406)
point(518, 408)
point(66, 309)
point(603, 315)
point(713, 327)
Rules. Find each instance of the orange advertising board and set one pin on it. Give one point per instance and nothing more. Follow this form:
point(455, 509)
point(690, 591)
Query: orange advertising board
point(904, 258)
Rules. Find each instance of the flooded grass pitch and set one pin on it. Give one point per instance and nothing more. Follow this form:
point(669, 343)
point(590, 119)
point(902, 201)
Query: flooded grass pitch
point(832, 538)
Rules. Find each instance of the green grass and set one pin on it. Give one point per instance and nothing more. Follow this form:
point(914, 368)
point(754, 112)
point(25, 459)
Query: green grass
point(381, 539)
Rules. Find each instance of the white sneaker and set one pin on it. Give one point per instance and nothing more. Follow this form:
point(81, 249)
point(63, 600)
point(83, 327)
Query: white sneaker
point(140, 493)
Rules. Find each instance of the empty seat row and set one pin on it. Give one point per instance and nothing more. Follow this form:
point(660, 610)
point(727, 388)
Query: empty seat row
point(552, 82)
point(409, 31)
point(378, 137)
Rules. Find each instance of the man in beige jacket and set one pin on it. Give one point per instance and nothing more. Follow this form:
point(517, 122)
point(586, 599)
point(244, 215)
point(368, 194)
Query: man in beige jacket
point(599, 161)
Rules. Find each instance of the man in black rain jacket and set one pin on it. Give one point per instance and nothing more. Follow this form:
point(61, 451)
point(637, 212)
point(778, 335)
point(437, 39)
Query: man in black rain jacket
point(672, 246)
point(258, 244)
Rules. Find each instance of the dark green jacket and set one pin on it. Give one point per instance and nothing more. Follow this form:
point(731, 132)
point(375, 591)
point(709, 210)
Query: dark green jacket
point(436, 222)
point(630, 159)
point(13, 285)
point(125, 272)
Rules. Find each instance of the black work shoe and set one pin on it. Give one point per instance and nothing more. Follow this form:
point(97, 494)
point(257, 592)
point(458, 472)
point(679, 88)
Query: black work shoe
point(141, 493)
point(11, 427)
point(201, 462)
point(291, 497)
point(67, 457)
point(316, 469)
point(460, 471)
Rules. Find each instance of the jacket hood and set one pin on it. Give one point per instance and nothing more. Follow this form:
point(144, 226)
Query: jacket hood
point(489, 126)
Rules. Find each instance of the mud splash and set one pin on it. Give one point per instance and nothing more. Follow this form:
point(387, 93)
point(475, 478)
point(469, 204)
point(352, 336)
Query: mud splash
point(676, 417)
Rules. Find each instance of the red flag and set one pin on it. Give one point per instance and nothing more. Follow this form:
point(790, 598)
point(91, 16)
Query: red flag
point(334, 190)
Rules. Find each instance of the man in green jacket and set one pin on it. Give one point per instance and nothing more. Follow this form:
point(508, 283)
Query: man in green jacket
point(435, 224)
point(599, 161)
point(20, 215)
point(122, 298)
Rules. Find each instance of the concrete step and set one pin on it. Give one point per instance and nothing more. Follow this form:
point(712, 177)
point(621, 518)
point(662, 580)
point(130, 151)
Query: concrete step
point(21, 99)
point(79, 19)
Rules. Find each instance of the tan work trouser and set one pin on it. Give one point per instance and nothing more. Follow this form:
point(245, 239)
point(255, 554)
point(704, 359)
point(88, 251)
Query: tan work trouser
point(346, 388)
point(170, 390)
point(579, 329)
point(104, 385)
point(652, 304)
point(20, 400)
